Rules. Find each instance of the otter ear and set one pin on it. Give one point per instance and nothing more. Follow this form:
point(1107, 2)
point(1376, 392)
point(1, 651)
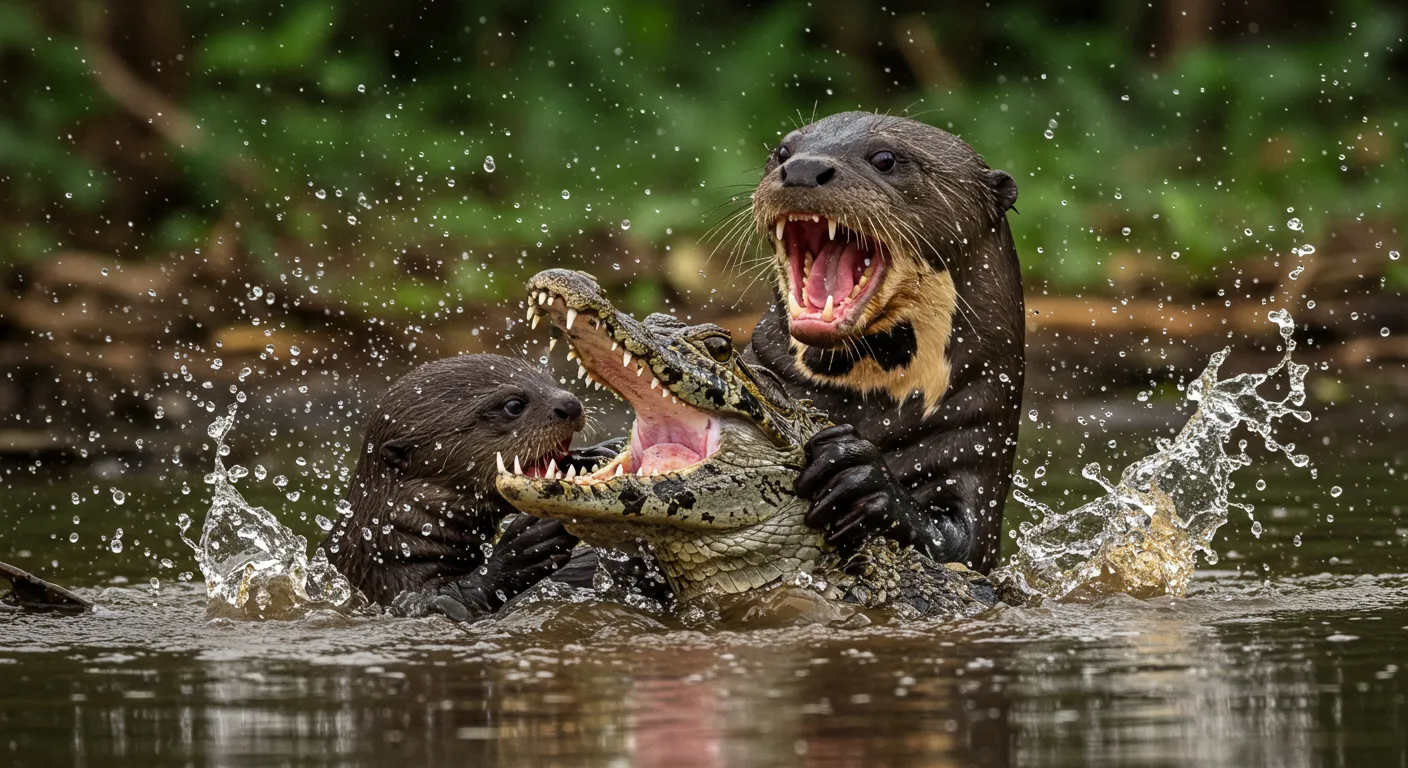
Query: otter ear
point(1004, 187)
point(396, 454)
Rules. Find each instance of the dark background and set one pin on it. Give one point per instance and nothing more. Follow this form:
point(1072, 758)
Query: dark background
point(302, 187)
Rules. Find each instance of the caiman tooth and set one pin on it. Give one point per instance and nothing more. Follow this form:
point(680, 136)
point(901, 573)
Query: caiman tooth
point(581, 371)
point(625, 358)
point(571, 353)
point(531, 313)
point(552, 470)
point(614, 345)
point(517, 467)
point(534, 325)
point(619, 471)
point(571, 317)
point(551, 343)
point(664, 393)
point(500, 456)
point(571, 471)
point(654, 382)
point(640, 369)
point(542, 298)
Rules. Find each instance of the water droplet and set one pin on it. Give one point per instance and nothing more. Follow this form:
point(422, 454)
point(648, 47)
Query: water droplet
point(1174, 255)
point(427, 529)
point(76, 500)
point(1050, 134)
point(361, 88)
point(323, 522)
point(73, 538)
point(1125, 231)
point(1256, 528)
point(625, 223)
point(1295, 225)
point(566, 194)
point(489, 163)
point(1261, 485)
point(1383, 332)
point(1393, 255)
point(116, 546)
point(1296, 540)
point(118, 497)
point(1335, 492)
point(351, 219)
point(321, 194)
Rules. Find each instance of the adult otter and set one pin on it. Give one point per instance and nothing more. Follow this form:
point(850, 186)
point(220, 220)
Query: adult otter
point(899, 310)
point(422, 505)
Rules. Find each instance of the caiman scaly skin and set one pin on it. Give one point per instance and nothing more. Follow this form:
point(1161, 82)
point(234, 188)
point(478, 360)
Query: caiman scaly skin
point(722, 517)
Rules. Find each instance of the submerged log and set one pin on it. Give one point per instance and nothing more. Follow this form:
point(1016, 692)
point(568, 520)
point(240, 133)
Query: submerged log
point(28, 592)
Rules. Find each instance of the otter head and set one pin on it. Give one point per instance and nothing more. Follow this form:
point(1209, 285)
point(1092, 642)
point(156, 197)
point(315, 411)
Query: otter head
point(869, 216)
point(452, 422)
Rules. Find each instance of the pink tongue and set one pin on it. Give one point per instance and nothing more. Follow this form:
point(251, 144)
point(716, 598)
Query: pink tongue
point(667, 457)
point(833, 274)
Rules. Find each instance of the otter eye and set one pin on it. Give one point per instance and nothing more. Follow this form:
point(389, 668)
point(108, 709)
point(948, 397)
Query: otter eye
point(514, 406)
point(719, 347)
point(783, 153)
point(884, 160)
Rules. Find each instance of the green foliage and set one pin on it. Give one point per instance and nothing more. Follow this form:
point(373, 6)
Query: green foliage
point(355, 135)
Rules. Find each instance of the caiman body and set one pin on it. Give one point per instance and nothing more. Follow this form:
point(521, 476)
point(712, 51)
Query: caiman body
point(705, 483)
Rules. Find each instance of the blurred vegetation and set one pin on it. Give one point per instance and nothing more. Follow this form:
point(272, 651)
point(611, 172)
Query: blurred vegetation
point(345, 145)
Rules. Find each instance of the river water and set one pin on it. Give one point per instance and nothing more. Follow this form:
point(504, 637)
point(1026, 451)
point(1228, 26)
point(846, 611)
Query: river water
point(1287, 652)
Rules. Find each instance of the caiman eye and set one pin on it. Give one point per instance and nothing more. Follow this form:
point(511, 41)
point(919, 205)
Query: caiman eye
point(719, 347)
point(884, 160)
point(782, 154)
point(514, 406)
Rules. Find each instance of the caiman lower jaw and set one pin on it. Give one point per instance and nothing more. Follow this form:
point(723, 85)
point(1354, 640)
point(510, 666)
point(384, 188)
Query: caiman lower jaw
point(832, 272)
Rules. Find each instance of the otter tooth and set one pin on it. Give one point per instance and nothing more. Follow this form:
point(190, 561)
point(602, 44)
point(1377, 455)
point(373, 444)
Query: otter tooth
point(864, 278)
point(571, 471)
point(828, 313)
point(571, 317)
point(551, 343)
point(500, 456)
point(855, 291)
point(552, 470)
point(815, 218)
point(780, 225)
point(831, 227)
point(534, 324)
point(517, 467)
point(625, 358)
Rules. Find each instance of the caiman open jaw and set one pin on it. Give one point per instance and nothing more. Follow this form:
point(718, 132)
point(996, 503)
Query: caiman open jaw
point(697, 431)
point(831, 273)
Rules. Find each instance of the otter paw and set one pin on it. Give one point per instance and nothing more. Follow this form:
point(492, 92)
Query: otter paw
point(851, 490)
point(586, 459)
point(528, 551)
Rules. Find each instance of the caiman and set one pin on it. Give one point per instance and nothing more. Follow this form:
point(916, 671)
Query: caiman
point(705, 483)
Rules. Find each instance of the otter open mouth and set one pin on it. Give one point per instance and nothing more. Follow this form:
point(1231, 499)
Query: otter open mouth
point(537, 466)
point(832, 272)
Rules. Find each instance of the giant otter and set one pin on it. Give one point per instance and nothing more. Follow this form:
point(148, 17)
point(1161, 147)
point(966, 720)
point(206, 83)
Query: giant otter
point(898, 312)
point(422, 507)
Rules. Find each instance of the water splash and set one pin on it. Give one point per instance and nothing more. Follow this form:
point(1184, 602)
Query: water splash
point(254, 566)
point(1142, 537)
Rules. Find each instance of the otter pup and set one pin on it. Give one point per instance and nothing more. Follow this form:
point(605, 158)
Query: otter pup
point(899, 312)
point(422, 506)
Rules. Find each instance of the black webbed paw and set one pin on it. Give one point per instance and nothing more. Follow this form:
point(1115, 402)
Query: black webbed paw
point(852, 493)
point(529, 551)
point(586, 459)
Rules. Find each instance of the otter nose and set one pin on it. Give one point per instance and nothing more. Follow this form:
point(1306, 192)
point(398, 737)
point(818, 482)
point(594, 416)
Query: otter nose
point(568, 408)
point(807, 172)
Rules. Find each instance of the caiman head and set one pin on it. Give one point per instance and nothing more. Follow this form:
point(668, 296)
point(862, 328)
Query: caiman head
point(705, 482)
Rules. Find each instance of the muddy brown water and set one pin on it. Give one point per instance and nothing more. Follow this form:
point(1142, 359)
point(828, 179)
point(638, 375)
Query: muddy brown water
point(1290, 651)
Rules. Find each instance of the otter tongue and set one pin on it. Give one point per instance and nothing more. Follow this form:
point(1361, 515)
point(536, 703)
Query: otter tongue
point(667, 457)
point(834, 273)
